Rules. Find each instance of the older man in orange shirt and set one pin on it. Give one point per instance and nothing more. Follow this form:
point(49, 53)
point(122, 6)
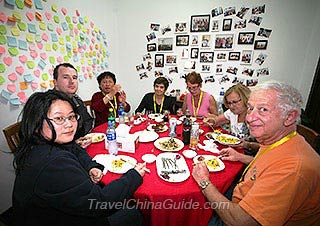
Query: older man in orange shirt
point(280, 186)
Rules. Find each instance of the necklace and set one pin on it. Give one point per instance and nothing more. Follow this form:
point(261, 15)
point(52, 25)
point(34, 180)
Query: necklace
point(196, 110)
point(114, 106)
point(154, 104)
point(272, 146)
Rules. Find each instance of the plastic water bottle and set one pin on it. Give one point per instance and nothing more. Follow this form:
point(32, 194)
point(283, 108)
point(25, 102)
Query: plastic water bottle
point(112, 139)
point(121, 114)
point(111, 117)
point(186, 128)
point(173, 125)
point(220, 101)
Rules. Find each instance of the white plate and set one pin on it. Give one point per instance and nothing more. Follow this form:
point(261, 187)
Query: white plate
point(179, 122)
point(172, 167)
point(109, 162)
point(208, 160)
point(149, 158)
point(227, 139)
point(164, 128)
point(96, 137)
point(148, 136)
point(154, 116)
point(159, 144)
point(189, 154)
point(193, 119)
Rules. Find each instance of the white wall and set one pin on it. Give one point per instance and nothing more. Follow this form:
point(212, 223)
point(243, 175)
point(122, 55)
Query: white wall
point(293, 49)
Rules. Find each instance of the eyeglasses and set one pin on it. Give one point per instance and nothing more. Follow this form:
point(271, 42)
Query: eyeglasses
point(60, 120)
point(233, 102)
point(192, 87)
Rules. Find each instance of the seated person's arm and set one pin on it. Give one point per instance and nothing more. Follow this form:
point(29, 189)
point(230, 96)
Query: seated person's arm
point(215, 120)
point(213, 106)
point(231, 154)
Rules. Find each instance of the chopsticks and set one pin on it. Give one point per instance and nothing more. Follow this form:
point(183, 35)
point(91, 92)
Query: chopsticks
point(132, 164)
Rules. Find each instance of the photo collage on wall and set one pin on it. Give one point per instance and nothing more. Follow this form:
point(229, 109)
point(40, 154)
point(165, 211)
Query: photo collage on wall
point(224, 45)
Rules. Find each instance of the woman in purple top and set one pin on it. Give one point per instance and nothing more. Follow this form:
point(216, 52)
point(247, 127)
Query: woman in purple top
point(198, 102)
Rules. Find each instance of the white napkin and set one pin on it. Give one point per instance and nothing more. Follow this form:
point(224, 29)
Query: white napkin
point(210, 146)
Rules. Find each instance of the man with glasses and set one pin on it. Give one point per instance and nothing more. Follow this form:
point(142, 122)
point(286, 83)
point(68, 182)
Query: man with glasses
point(280, 186)
point(66, 80)
point(198, 102)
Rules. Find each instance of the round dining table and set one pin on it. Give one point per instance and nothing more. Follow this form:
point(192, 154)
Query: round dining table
point(171, 203)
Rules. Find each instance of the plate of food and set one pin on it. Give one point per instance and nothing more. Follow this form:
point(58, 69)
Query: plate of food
point(168, 144)
point(154, 116)
point(227, 139)
point(159, 127)
point(116, 163)
point(96, 137)
point(172, 167)
point(213, 163)
point(147, 136)
point(193, 119)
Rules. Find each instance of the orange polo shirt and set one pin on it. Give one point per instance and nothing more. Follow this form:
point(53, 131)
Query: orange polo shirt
point(283, 186)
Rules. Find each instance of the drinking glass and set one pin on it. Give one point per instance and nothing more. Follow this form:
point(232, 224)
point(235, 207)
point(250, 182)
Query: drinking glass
point(131, 119)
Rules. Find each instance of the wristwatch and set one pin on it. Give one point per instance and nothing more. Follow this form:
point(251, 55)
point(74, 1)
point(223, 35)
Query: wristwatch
point(203, 184)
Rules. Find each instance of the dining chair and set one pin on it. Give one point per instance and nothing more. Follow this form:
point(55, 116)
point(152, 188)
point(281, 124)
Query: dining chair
point(87, 103)
point(311, 136)
point(12, 135)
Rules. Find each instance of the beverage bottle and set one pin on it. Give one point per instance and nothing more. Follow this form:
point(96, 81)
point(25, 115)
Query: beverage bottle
point(112, 139)
point(194, 136)
point(111, 117)
point(186, 128)
point(173, 124)
point(220, 101)
point(121, 114)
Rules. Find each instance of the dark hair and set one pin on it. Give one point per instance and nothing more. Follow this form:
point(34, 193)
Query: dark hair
point(194, 78)
point(105, 75)
point(161, 80)
point(33, 115)
point(55, 70)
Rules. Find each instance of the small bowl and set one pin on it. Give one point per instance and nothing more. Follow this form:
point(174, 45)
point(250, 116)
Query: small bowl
point(189, 154)
point(149, 158)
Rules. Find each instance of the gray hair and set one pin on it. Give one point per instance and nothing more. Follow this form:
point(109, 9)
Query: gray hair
point(289, 98)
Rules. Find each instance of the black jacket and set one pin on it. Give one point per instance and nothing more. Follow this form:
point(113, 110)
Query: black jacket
point(146, 103)
point(55, 189)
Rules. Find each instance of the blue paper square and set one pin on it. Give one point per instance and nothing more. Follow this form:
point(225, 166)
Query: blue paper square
point(12, 41)
point(23, 45)
point(54, 37)
point(32, 28)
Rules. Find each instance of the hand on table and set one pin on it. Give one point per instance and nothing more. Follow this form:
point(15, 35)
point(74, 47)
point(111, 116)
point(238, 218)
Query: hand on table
point(141, 168)
point(95, 175)
point(200, 172)
point(230, 154)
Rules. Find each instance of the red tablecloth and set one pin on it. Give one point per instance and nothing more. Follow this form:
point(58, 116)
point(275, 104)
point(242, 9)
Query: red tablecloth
point(165, 203)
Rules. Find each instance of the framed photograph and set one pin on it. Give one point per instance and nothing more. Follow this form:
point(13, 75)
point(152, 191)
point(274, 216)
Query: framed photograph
point(240, 24)
point(216, 11)
point(227, 23)
point(200, 23)
point(264, 32)
point(215, 24)
point(206, 57)
point(194, 40)
point(206, 41)
point(165, 44)
point(173, 70)
point(260, 44)
point(205, 68)
point(182, 40)
point(181, 28)
point(185, 53)
point(171, 59)
point(246, 57)
point(154, 27)
point(159, 60)
point(221, 56)
point(151, 47)
point(246, 38)
point(234, 56)
point(219, 69)
point(194, 53)
point(151, 36)
point(224, 42)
